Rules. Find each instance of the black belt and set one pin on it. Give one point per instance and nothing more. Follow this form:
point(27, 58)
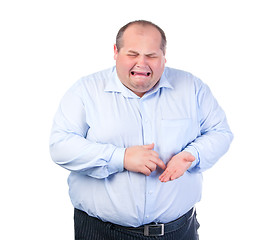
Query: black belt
point(159, 229)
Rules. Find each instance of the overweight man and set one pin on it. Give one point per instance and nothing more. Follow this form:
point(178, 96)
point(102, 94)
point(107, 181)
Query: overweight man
point(136, 138)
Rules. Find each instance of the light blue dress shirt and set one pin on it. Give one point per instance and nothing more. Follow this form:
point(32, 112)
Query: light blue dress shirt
point(98, 118)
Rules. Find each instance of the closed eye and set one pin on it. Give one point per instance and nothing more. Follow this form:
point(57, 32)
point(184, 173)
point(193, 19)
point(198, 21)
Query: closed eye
point(151, 55)
point(132, 54)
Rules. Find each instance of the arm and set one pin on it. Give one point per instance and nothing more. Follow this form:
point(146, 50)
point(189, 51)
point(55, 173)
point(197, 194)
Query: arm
point(215, 137)
point(68, 144)
point(213, 141)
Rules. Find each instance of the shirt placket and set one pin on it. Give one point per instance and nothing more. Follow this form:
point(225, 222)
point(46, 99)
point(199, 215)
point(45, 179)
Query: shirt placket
point(148, 138)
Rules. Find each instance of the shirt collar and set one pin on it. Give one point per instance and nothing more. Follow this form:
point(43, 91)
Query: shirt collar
point(115, 85)
point(164, 82)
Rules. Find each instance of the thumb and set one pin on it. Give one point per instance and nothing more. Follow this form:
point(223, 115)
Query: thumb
point(149, 146)
point(190, 158)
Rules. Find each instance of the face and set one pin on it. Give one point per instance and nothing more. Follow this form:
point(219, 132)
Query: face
point(140, 62)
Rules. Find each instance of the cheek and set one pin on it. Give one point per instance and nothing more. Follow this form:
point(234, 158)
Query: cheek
point(158, 68)
point(125, 65)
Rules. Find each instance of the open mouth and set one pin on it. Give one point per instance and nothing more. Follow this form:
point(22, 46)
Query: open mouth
point(145, 74)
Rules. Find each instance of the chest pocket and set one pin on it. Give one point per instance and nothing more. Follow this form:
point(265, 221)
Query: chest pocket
point(174, 136)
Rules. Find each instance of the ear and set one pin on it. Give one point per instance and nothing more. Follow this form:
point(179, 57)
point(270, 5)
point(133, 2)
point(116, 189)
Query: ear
point(115, 51)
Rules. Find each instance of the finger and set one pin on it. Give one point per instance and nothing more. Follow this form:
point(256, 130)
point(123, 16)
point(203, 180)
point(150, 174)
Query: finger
point(149, 146)
point(165, 173)
point(175, 175)
point(165, 176)
point(151, 166)
point(162, 177)
point(155, 154)
point(154, 157)
point(160, 163)
point(156, 160)
point(190, 158)
point(146, 171)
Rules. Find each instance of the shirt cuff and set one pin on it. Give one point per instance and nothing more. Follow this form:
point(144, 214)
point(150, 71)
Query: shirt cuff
point(116, 164)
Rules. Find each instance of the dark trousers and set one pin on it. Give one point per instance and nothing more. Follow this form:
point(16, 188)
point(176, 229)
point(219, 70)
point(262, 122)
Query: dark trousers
point(89, 228)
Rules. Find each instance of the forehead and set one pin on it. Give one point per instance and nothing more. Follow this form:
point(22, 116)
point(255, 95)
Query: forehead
point(138, 35)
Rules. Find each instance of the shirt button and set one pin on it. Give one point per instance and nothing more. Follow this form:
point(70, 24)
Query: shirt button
point(150, 192)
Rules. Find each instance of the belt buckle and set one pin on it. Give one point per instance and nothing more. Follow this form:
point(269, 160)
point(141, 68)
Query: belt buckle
point(152, 229)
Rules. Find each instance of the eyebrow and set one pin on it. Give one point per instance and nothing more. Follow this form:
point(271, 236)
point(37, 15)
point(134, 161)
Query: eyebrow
point(148, 54)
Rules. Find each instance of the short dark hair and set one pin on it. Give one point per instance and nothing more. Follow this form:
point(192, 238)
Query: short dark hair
point(143, 23)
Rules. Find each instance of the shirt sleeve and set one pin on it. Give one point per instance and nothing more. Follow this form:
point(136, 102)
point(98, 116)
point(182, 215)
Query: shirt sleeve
point(69, 147)
point(215, 135)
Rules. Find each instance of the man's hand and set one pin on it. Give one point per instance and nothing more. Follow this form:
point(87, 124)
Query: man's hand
point(177, 166)
point(142, 159)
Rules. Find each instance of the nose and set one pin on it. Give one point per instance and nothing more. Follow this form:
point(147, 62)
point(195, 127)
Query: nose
point(141, 61)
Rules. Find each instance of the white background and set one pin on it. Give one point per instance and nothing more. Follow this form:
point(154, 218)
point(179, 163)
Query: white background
point(47, 45)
